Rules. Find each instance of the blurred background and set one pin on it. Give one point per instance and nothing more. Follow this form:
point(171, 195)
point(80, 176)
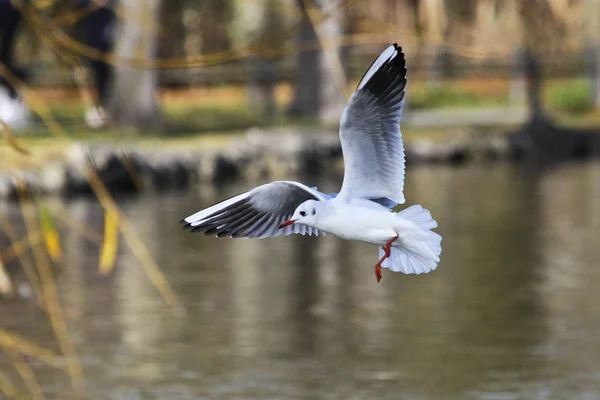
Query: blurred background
point(120, 117)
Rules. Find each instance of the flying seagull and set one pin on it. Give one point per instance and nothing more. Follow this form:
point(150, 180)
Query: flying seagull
point(373, 185)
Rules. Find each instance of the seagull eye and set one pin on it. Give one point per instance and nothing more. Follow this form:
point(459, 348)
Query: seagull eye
point(303, 213)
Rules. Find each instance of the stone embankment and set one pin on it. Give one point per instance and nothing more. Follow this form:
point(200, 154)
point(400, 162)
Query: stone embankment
point(259, 154)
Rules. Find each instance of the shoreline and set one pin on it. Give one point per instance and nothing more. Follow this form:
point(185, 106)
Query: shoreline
point(274, 153)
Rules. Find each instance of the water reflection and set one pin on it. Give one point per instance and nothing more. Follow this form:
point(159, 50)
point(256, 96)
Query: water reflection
point(509, 314)
point(571, 277)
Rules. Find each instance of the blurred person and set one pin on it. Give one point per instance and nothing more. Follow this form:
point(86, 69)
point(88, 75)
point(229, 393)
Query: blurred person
point(97, 32)
point(12, 109)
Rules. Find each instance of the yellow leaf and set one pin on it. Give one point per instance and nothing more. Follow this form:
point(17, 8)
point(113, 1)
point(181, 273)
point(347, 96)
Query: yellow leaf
point(51, 237)
point(108, 252)
point(10, 139)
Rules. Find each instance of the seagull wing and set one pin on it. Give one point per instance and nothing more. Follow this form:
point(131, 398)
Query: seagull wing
point(257, 213)
point(370, 132)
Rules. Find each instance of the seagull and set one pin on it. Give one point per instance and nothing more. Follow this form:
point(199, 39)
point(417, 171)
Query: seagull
point(373, 185)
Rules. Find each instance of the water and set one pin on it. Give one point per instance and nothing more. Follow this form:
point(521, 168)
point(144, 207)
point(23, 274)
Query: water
point(513, 311)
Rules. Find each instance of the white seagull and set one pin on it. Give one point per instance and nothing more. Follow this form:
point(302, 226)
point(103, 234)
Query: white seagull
point(373, 184)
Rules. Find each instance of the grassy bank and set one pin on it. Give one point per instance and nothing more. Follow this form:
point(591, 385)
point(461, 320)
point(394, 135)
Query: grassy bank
point(212, 117)
point(225, 108)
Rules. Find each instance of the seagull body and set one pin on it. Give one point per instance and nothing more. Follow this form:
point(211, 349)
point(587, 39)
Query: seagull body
point(373, 185)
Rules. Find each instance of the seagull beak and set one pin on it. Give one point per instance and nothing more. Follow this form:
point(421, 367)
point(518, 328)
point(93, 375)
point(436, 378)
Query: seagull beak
point(287, 223)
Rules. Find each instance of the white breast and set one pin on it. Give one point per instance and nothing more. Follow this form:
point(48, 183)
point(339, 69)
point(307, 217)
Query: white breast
point(372, 224)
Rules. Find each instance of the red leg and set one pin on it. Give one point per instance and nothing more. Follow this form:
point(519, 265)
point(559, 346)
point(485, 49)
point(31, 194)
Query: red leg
point(378, 269)
point(387, 248)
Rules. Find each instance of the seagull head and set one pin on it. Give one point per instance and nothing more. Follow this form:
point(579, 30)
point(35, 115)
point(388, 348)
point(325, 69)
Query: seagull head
point(305, 214)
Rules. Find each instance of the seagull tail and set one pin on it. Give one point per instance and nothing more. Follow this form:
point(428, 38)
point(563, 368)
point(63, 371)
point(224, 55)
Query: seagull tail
point(419, 253)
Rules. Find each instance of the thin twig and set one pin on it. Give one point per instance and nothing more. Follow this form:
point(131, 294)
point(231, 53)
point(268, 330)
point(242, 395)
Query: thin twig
point(28, 348)
point(7, 387)
point(52, 300)
point(24, 370)
point(18, 249)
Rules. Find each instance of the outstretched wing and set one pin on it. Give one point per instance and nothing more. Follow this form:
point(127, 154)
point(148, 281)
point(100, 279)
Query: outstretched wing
point(257, 213)
point(370, 131)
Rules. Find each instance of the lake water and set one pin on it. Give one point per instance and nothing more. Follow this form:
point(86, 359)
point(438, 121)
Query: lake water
point(512, 312)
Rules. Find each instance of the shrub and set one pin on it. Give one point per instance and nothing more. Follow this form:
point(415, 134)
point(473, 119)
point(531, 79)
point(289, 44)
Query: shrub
point(573, 98)
point(441, 96)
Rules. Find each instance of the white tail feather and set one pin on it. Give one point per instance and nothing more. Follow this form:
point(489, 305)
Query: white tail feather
point(419, 253)
point(419, 216)
point(407, 262)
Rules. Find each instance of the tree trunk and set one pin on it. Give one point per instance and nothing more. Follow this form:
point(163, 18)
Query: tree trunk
point(332, 64)
point(320, 78)
point(593, 53)
point(517, 81)
point(419, 31)
point(541, 137)
point(262, 79)
point(596, 75)
point(539, 25)
point(133, 100)
point(172, 41)
point(441, 65)
point(215, 23)
point(306, 100)
point(533, 79)
point(436, 25)
point(267, 24)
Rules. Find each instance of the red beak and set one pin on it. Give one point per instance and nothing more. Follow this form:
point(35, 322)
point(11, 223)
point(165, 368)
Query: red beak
point(287, 223)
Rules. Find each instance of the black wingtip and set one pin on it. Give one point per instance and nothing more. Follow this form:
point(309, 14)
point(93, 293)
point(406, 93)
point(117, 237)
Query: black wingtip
point(388, 82)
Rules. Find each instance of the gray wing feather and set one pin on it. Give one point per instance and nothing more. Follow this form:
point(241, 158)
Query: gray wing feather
point(257, 213)
point(370, 132)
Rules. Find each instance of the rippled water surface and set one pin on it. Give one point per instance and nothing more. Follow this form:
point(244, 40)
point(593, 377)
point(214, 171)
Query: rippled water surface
point(513, 311)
